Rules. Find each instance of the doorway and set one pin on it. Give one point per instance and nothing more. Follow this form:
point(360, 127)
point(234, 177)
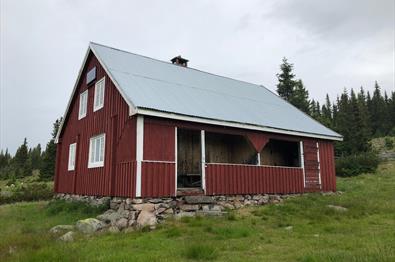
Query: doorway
point(189, 173)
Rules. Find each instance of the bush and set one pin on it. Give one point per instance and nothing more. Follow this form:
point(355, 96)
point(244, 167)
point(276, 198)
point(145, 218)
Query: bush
point(26, 192)
point(354, 165)
point(63, 206)
point(388, 143)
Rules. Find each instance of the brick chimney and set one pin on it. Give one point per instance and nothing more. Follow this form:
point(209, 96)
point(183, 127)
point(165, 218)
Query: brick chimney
point(178, 60)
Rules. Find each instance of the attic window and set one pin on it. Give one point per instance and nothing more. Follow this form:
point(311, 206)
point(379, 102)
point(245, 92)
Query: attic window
point(91, 76)
point(99, 94)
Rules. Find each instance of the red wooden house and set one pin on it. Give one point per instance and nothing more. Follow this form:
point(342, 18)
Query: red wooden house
point(140, 127)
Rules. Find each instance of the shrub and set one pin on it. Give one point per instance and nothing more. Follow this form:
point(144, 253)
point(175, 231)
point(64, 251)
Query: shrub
point(354, 165)
point(27, 192)
point(388, 143)
point(63, 206)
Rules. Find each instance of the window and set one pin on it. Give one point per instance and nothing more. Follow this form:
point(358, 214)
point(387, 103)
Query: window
point(281, 153)
point(71, 165)
point(99, 94)
point(96, 151)
point(83, 104)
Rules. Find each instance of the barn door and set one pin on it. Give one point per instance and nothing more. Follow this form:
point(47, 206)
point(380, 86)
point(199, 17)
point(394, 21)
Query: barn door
point(312, 166)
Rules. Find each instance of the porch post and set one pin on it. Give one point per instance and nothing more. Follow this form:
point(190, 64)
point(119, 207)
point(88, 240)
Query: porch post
point(139, 152)
point(203, 158)
point(175, 161)
point(302, 162)
point(258, 155)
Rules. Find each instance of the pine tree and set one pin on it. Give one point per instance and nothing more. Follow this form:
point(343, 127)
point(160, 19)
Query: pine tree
point(300, 97)
point(286, 82)
point(20, 161)
point(47, 171)
point(35, 157)
point(326, 112)
point(377, 112)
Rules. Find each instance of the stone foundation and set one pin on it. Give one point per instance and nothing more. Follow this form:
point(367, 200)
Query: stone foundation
point(125, 214)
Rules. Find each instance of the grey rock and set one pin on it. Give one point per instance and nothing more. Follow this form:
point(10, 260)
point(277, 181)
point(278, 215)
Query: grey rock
point(209, 213)
point(160, 210)
point(144, 207)
point(68, 237)
point(146, 218)
point(129, 230)
point(288, 228)
point(89, 225)
point(199, 200)
point(113, 229)
point(216, 208)
point(187, 207)
point(61, 228)
point(155, 200)
point(121, 223)
point(137, 201)
point(110, 216)
point(184, 214)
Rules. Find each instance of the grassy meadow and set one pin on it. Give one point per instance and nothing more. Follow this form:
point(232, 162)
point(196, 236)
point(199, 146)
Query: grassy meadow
point(300, 229)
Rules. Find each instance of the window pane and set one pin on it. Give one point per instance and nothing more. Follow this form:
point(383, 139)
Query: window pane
point(102, 148)
point(97, 149)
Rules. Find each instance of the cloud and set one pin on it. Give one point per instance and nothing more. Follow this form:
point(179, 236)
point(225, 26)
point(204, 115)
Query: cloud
point(42, 43)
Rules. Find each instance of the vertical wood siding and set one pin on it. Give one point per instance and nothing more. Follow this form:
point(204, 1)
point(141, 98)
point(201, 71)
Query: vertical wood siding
point(112, 120)
point(157, 179)
point(241, 179)
point(158, 168)
point(327, 165)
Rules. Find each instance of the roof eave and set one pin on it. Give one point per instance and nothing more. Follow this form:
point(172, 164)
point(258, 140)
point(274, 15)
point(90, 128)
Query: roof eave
point(175, 116)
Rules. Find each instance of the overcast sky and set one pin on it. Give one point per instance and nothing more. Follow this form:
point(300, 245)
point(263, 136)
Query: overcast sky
point(333, 44)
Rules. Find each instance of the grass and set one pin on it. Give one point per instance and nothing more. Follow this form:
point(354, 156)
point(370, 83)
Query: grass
point(300, 229)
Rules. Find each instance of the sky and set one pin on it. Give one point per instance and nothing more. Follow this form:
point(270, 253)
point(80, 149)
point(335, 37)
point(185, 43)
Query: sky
point(333, 45)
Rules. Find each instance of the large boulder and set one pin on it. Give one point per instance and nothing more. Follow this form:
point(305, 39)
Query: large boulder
point(89, 225)
point(121, 223)
point(149, 207)
point(146, 218)
point(61, 228)
point(110, 216)
point(68, 237)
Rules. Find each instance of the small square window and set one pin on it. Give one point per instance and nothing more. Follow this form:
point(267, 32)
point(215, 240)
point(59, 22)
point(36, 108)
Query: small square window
point(72, 151)
point(99, 94)
point(96, 151)
point(83, 105)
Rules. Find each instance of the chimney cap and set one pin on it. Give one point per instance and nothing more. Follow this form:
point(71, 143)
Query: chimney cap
point(178, 60)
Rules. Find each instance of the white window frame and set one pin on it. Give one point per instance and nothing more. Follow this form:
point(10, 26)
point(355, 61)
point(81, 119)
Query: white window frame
point(72, 155)
point(93, 162)
point(98, 102)
point(83, 105)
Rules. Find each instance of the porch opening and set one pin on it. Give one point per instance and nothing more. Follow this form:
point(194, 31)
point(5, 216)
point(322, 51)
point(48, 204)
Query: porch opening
point(188, 158)
point(233, 149)
point(281, 153)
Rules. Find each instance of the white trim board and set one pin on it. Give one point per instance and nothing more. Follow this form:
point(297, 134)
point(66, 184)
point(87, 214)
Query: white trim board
point(139, 152)
point(149, 112)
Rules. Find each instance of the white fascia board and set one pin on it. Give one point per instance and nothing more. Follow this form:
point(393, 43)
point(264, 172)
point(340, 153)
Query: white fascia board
point(148, 112)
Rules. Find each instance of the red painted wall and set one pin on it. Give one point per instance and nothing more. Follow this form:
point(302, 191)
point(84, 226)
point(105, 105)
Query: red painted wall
point(327, 166)
point(158, 176)
point(117, 177)
point(238, 179)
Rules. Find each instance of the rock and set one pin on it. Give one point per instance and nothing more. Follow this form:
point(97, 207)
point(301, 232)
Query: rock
point(137, 201)
point(184, 214)
point(113, 229)
point(61, 228)
point(131, 223)
point(144, 207)
point(155, 200)
point(187, 207)
point(146, 218)
point(237, 204)
point(129, 230)
point(216, 208)
point(288, 228)
point(338, 208)
point(110, 216)
point(168, 211)
point(68, 237)
point(160, 210)
point(89, 225)
point(205, 208)
point(124, 213)
point(199, 200)
point(209, 213)
point(228, 205)
point(133, 215)
point(122, 223)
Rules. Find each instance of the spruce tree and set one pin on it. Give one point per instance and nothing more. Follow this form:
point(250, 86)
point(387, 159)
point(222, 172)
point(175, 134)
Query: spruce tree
point(377, 112)
point(286, 82)
point(20, 161)
point(300, 97)
point(47, 171)
point(326, 112)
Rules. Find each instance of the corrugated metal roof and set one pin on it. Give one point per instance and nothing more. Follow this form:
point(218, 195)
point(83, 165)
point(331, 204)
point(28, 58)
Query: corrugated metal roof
point(157, 85)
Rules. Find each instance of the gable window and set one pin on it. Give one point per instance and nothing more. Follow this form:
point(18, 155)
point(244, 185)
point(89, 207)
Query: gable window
point(96, 151)
point(83, 104)
point(72, 150)
point(99, 94)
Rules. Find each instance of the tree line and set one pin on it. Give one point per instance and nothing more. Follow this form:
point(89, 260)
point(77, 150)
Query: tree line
point(26, 160)
point(358, 116)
